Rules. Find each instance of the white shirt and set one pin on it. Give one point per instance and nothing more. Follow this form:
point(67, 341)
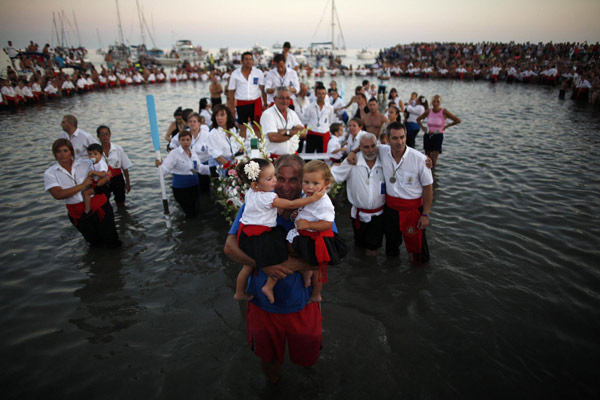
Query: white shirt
point(220, 145)
point(353, 141)
point(301, 106)
point(68, 85)
point(338, 103)
point(57, 176)
point(207, 114)
point(320, 210)
point(414, 112)
point(410, 173)
point(332, 145)
point(259, 209)
point(289, 79)
point(100, 166)
point(290, 61)
point(178, 162)
point(319, 119)
point(80, 141)
point(365, 185)
point(117, 158)
point(247, 89)
point(50, 88)
point(271, 121)
point(199, 143)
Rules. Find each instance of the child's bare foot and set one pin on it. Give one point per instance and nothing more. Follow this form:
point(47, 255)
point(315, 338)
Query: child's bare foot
point(242, 296)
point(315, 298)
point(269, 293)
point(307, 275)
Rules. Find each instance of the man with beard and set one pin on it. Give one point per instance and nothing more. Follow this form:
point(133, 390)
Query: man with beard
point(366, 192)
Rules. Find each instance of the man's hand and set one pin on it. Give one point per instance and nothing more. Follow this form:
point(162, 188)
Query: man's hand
point(351, 158)
point(278, 271)
point(423, 222)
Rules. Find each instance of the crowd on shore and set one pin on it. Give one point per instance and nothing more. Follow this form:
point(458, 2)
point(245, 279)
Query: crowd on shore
point(50, 73)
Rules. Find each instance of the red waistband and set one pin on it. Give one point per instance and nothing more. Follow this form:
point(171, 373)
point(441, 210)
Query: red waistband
point(114, 171)
point(364, 210)
point(399, 204)
point(321, 252)
point(252, 230)
point(76, 210)
point(257, 106)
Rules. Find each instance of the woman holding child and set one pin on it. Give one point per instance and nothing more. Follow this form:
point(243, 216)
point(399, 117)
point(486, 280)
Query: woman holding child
point(65, 180)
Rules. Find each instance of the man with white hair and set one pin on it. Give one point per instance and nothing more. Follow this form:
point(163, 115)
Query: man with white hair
point(280, 124)
point(366, 192)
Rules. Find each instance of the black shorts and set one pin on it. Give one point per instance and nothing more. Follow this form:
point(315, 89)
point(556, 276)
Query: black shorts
point(245, 113)
point(433, 142)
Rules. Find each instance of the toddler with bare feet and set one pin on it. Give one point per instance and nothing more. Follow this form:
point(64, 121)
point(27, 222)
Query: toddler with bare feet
point(258, 235)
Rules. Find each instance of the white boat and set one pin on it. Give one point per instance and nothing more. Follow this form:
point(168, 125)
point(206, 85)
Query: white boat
point(277, 46)
point(326, 48)
point(365, 54)
point(182, 51)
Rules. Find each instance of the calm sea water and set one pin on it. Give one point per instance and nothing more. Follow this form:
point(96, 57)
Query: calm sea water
point(508, 306)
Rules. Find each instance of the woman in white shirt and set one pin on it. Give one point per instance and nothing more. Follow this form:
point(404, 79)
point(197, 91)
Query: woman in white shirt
point(221, 146)
point(414, 110)
point(184, 164)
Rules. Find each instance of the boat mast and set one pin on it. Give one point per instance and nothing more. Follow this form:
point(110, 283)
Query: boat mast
point(122, 41)
point(99, 41)
point(332, 24)
point(141, 23)
point(341, 33)
point(76, 28)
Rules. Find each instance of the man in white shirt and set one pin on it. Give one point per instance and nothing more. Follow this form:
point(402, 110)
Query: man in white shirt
point(78, 138)
point(366, 193)
point(280, 124)
point(409, 193)
point(320, 116)
point(281, 76)
point(246, 92)
point(338, 106)
point(290, 60)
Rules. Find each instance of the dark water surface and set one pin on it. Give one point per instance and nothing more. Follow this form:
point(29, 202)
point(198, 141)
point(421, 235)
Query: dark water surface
point(509, 306)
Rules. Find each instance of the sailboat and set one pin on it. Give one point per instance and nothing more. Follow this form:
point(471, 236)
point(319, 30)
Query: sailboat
point(330, 47)
point(119, 51)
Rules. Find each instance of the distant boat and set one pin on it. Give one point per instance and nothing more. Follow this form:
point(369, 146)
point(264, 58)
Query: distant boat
point(277, 46)
point(365, 54)
point(182, 51)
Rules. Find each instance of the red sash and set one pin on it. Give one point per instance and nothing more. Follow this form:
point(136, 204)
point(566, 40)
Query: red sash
point(76, 210)
point(320, 250)
point(325, 137)
point(363, 210)
point(257, 106)
point(252, 230)
point(408, 213)
point(114, 171)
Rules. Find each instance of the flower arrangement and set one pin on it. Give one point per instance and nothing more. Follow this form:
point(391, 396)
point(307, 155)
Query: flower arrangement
point(228, 189)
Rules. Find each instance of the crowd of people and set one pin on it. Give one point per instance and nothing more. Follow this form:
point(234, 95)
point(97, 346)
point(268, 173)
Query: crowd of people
point(287, 226)
point(51, 73)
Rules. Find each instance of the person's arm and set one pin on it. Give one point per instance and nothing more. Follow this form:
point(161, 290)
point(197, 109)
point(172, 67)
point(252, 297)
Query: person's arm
point(454, 118)
point(233, 251)
point(352, 100)
point(279, 271)
point(170, 131)
point(293, 204)
point(427, 198)
point(59, 193)
point(279, 136)
point(319, 226)
point(127, 182)
point(231, 100)
point(422, 117)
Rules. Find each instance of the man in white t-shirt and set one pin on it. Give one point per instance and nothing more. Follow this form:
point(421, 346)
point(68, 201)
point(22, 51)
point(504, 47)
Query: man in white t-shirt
point(281, 76)
point(79, 139)
point(246, 92)
point(280, 124)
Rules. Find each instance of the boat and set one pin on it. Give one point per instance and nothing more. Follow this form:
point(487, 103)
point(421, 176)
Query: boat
point(182, 51)
point(277, 46)
point(365, 54)
point(330, 48)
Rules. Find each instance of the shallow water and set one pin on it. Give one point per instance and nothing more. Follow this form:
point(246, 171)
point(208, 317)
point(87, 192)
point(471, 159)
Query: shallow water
point(508, 306)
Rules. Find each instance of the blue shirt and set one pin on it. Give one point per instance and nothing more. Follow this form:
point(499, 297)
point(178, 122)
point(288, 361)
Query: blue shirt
point(290, 293)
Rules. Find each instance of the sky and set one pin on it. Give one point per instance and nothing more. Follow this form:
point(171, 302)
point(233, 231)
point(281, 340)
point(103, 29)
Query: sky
point(242, 23)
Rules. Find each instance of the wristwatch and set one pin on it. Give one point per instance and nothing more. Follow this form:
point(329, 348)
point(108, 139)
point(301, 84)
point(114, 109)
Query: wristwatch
point(287, 132)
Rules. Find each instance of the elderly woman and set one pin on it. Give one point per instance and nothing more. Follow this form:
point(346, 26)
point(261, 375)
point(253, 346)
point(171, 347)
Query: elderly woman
point(118, 165)
point(65, 180)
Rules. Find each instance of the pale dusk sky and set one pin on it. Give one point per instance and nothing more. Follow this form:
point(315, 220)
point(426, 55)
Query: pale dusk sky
point(241, 23)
